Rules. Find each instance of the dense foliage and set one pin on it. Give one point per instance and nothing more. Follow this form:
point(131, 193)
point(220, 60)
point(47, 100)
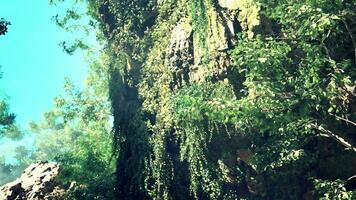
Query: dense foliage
point(76, 133)
point(228, 100)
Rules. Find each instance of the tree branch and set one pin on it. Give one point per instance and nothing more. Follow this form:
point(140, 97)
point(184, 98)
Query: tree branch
point(345, 120)
point(337, 138)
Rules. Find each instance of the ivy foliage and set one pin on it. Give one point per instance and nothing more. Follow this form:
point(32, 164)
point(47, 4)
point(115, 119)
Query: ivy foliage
point(261, 118)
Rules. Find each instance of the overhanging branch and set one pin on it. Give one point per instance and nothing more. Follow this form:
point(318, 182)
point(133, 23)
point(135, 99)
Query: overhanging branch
point(337, 138)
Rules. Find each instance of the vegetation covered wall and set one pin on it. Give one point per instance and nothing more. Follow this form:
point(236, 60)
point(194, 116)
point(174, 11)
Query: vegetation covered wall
point(217, 99)
point(214, 99)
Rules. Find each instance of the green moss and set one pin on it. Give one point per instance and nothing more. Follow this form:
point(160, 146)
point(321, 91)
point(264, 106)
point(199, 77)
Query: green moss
point(249, 15)
point(192, 134)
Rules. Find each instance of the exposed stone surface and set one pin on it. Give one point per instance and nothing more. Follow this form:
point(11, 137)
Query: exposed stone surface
point(38, 181)
point(194, 55)
point(185, 61)
point(180, 52)
point(229, 4)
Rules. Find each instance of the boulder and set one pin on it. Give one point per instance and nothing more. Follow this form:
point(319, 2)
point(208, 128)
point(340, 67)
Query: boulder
point(38, 181)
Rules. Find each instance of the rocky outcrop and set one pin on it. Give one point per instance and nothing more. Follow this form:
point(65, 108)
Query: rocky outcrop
point(199, 45)
point(229, 4)
point(38, 181)
point(180, 53)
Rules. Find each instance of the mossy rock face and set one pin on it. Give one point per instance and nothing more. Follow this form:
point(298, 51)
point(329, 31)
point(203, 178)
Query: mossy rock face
point(179, 56)
point(249, 15)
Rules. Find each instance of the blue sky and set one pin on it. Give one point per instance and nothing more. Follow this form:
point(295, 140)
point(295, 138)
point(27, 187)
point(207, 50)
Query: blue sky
point(33, 64)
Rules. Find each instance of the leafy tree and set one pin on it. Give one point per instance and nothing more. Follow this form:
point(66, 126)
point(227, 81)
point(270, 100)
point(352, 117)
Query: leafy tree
point(9, 131)
point(3, 26)
point(6, 118)
point(76, 133)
